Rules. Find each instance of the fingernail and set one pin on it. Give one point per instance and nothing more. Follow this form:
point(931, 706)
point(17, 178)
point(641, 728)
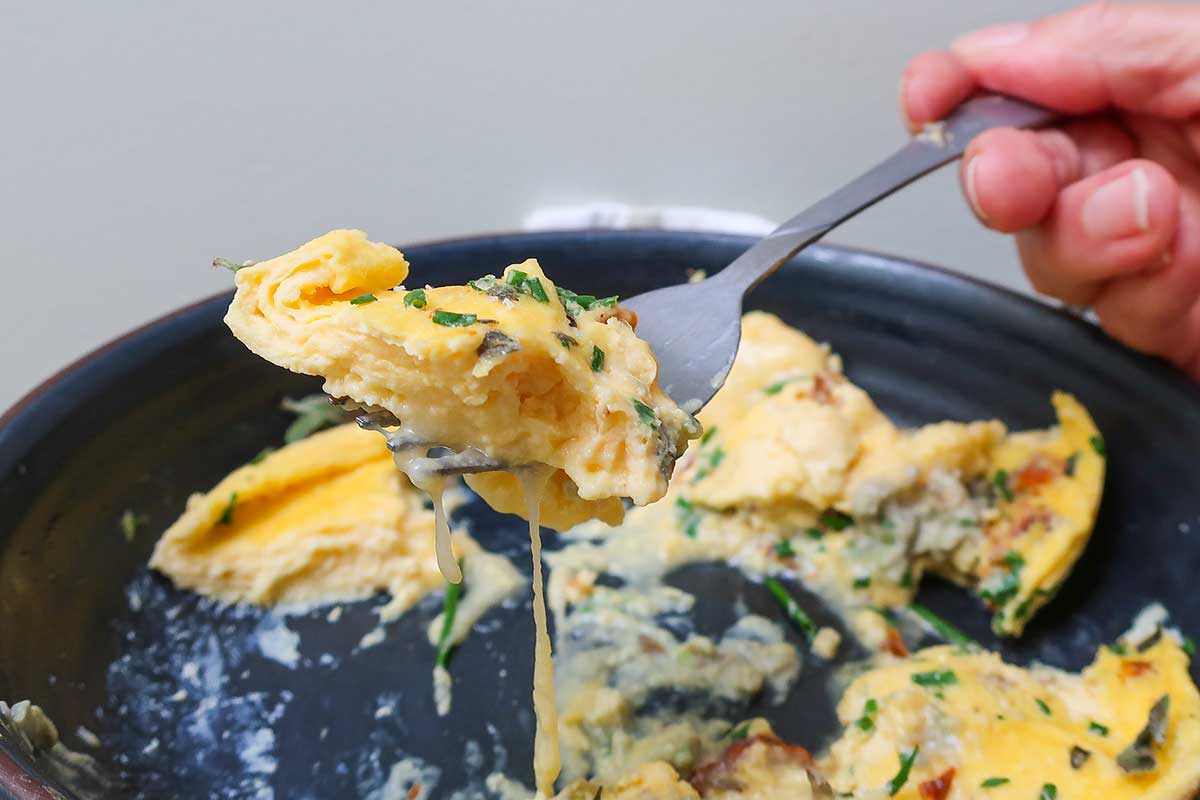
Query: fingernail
point(991, 38)
point(1119, 208)
point(969, 178)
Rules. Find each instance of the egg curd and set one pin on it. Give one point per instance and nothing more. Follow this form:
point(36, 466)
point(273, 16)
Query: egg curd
point(515, 366)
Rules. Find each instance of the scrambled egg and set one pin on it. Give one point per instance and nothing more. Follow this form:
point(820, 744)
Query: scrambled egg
point(792, 445)
point(521, 369)
point(1127, 727)
point(326, 518)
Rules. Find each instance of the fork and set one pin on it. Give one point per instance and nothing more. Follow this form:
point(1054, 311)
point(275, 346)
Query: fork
point(694, 328)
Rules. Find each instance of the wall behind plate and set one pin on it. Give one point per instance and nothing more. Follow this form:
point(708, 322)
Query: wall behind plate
point(140, 140)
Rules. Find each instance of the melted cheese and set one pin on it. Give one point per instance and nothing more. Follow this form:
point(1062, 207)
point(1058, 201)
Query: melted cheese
point(1001, 721)
point(515, 373)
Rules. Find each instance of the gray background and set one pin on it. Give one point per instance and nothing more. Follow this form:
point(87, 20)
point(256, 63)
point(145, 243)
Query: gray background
point(141, 140)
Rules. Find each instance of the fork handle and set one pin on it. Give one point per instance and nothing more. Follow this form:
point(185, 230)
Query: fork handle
point(937, 145)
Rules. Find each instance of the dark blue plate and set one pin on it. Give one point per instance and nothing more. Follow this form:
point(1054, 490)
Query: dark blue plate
point(172, 407)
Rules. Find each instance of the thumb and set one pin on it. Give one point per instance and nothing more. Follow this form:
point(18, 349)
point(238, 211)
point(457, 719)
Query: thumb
point(1137, 58)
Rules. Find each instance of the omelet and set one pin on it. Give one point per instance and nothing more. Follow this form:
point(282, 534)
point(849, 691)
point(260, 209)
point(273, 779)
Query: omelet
point(863, 508)
point(528, 372)
point(952, 722)
point(325, 519)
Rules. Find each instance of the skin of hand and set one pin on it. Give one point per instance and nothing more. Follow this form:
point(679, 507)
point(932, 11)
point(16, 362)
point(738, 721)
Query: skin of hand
point(1105, 208)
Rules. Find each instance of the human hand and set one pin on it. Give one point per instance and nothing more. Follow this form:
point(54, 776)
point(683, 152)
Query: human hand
point(1106, 208)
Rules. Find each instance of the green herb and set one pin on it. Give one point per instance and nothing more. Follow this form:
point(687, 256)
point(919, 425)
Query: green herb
point(863, 582)
point(415, 299)
point(1049, 792)
point(313, 413)
point(866, 722)
point(689, 516)
point(836, 520)
point(935, 678)
point(1098, 729)
point(815, 533)
point(1000, 481)
point(576, 304)
point(740, 732)
point(226, 517)
point(1189, 646)
point(566, 341)
point(1079, 756)
point(232, 266)
point(449, 609)
point(363, 299)
point(1070, 464)
point(1043, 706)
point(968, 523)
point(130, 522)
point(1118, 649)
point(1139, 755)
point(992, 783)
point(777, 387)
point(790, 607)
point(1014, 560)
point(906, 580)
point(906, 764)
point(1098, 445)
point(708, 434)
point(452, 319)
point(517, 278)
point(262, 454)
point(940, 626)
point(645, 413)
point(598, 361)
point(783, 548)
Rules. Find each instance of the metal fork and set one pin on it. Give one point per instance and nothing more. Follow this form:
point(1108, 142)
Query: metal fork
point(694, 328)
point(399, 440)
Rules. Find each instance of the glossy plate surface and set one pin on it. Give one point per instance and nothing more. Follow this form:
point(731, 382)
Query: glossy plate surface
point(88, 634)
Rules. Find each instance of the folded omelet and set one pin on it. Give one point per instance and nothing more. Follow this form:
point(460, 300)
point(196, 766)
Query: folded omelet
point(866, 507)
point(325, 519)
point(521, 369)
point(1128, 726)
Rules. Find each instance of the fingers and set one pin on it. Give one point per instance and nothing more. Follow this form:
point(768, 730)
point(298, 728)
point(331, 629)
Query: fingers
point(1140, 58)
point(1011, 178)
point(1113, 224)
point(933, 83)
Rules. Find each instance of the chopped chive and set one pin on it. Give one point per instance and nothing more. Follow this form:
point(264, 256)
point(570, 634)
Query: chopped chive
point(992, 783)
point(517, 278)
point(901, 778)
point(130, 522)
point(783, 548)
point(452, 319)
point(226, 517)
point(1049, 792)
point(1097, 728)
point(863, 582)
point(598, 361)
point(708, 434)
point(262, 454)
point(645, 413)
point(1188, 645)
point(815, 533)
point(1043, 706)
point(1070, 463)
point(791, 608)
point(1014, 559)
point(689, 516)
point(836, 520)
point(232, 266)
point(866, 723)
point(363, 299)
point(415, 299)
point(967, 522)
point(740, 732)
point(575, 304)
point(1139, 755)
point(566, 341)
point(536, 290)
point(1000, 481)
point(940, 626)
point(449, 609)
point(1098, 445)
point(935, 678)
point(1118, 649)
point(906, 580)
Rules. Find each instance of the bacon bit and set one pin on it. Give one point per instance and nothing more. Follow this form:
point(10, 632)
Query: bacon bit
point(414, 792)
point(939, 787)
point(717, 775)
point(1041, 469)
point(894, 643)
point(620, 312)
point(822, 388)
point(1132, 669)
